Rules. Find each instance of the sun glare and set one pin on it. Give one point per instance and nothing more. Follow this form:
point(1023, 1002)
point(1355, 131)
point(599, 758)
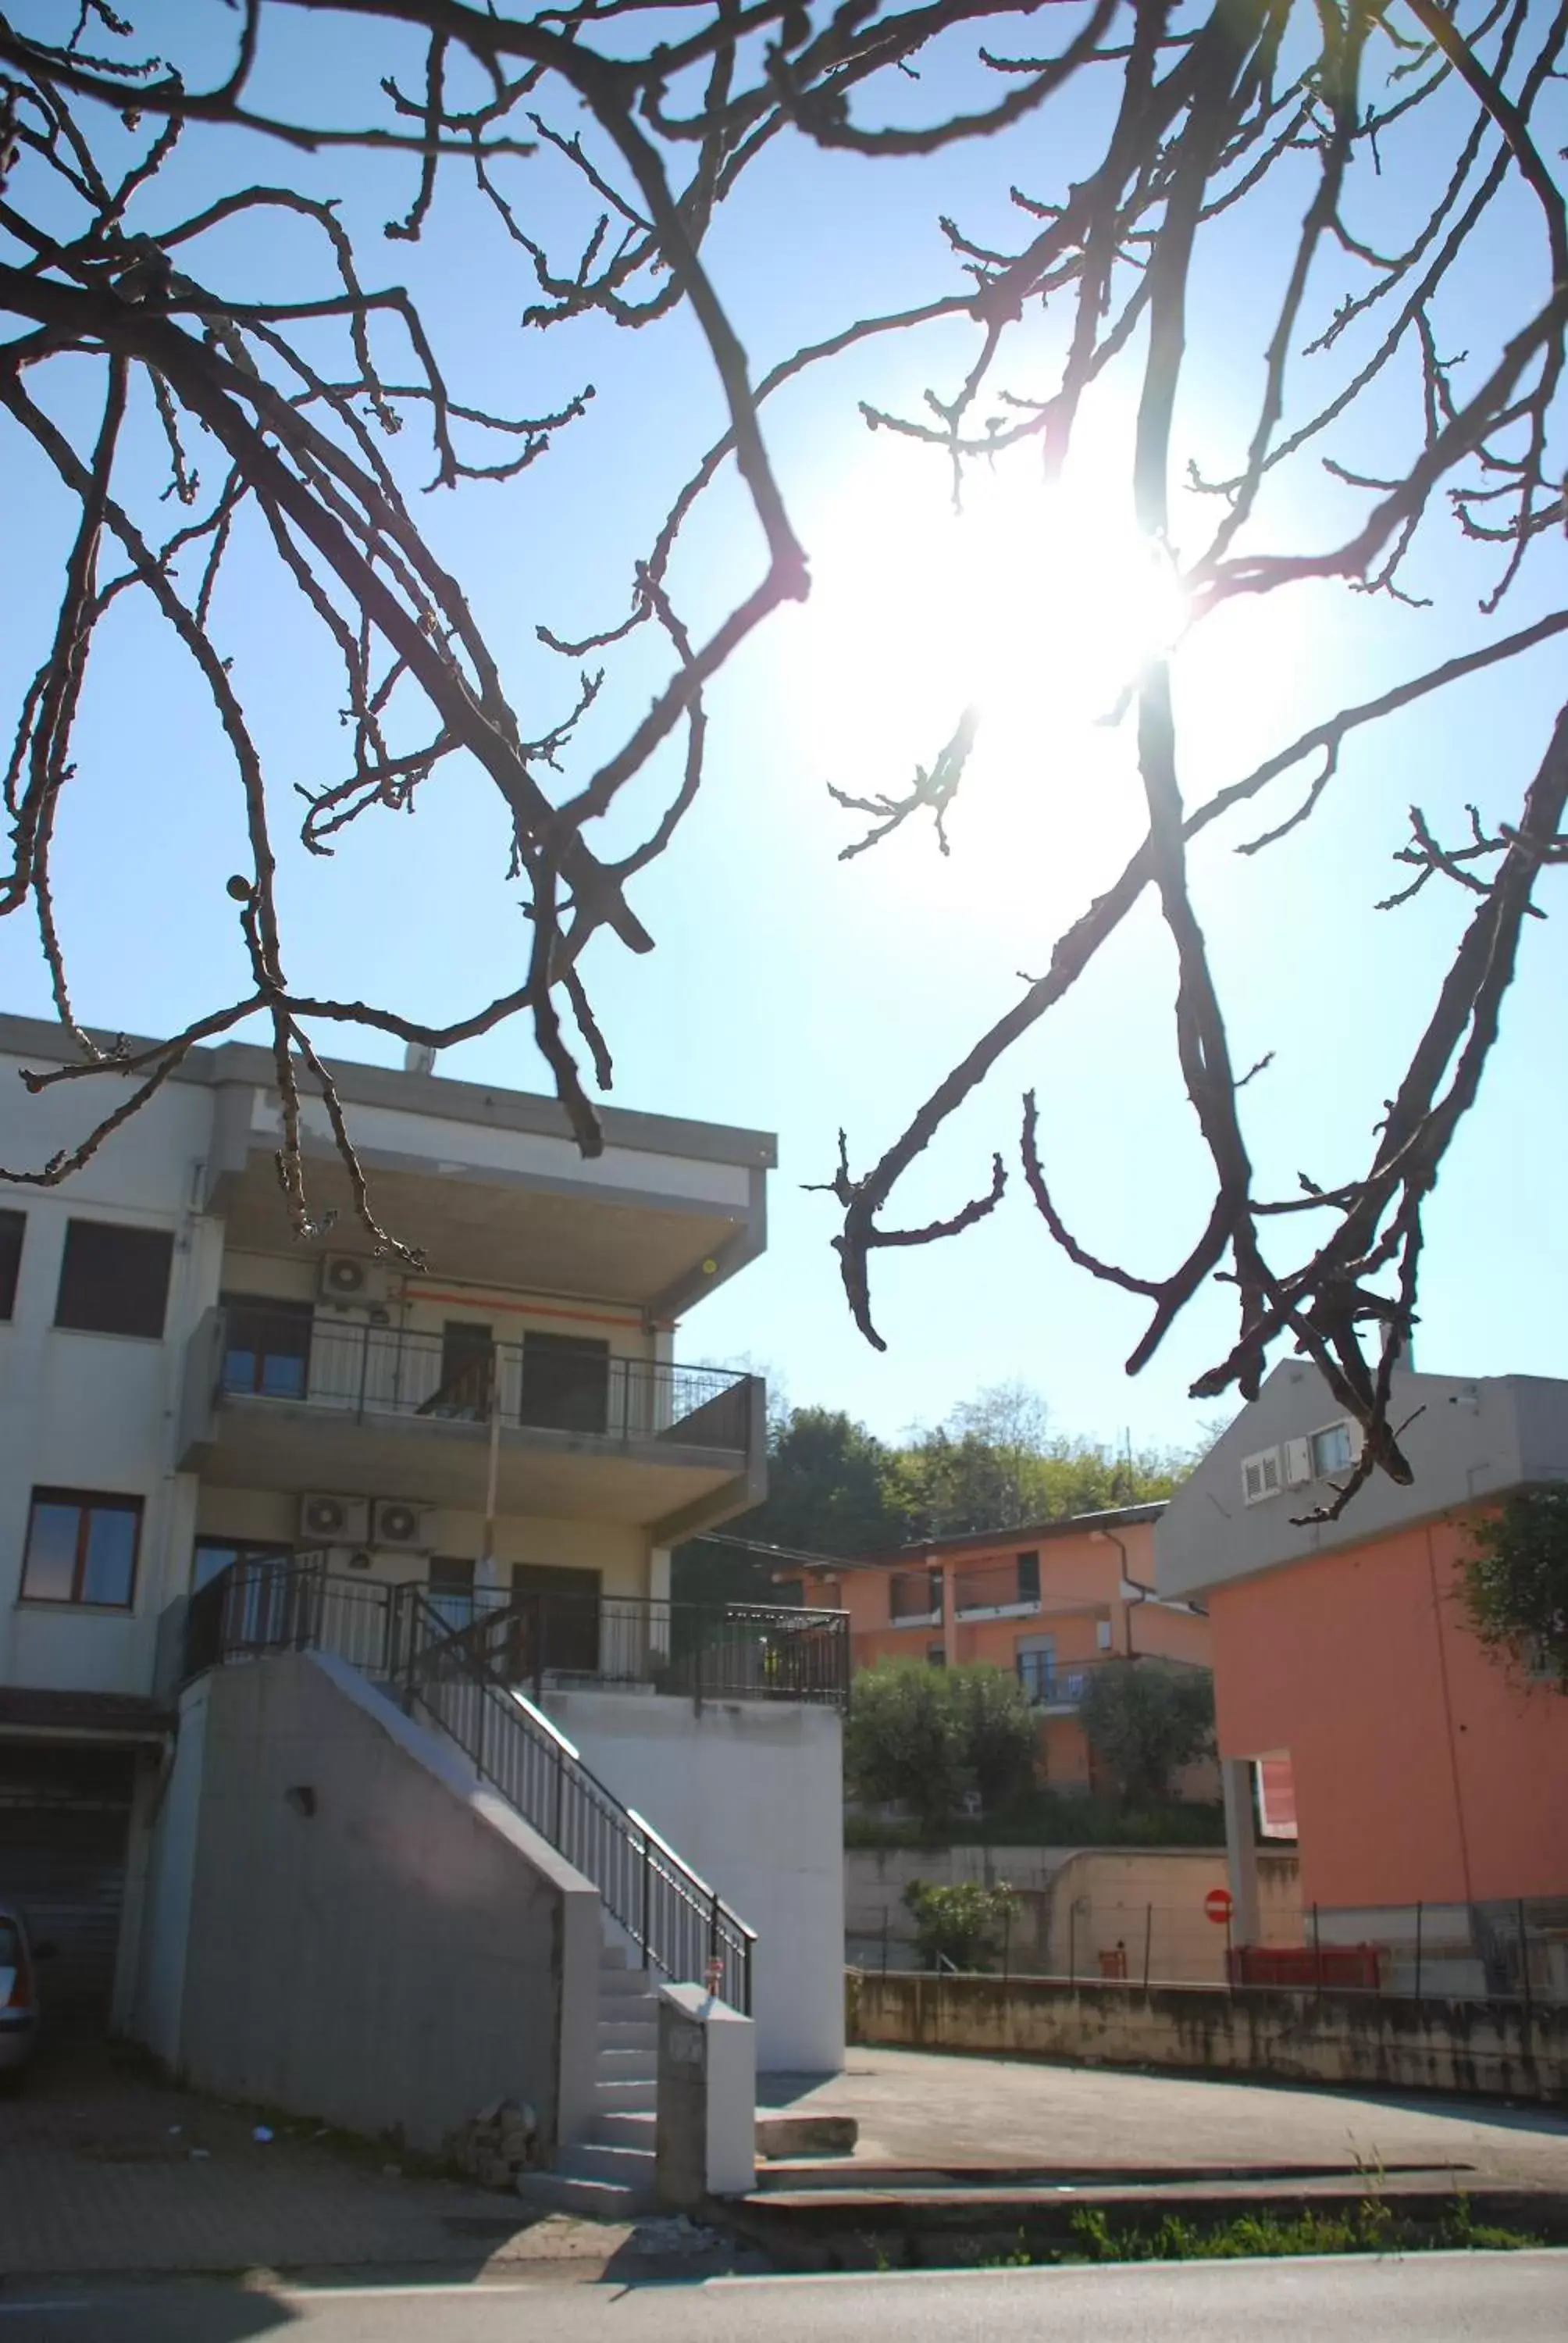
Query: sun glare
point(1033, 605)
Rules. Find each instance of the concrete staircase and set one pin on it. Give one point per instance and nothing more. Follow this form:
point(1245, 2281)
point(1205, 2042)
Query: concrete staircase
point(609, 2173)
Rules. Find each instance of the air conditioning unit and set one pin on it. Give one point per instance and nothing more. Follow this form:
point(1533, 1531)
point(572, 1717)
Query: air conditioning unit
point(328, 1520)
point(1298, 1462)
point(396, 1523)
point(350, 1277)
point(1261, 1476)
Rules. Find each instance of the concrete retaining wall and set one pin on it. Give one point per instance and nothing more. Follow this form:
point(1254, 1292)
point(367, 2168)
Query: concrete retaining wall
point(371, 1938)
point(1398, 2044)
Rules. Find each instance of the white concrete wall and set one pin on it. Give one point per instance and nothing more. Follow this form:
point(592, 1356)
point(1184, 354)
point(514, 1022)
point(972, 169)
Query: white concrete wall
point(157, 1991)
point(750, 1795)
point(96, 1412)
point(395, 1959)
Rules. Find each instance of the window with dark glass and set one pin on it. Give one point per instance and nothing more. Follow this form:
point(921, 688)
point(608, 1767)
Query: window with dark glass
point(1029, 1578)
point(114, 1280)
point(81, 1548)
point(565, 1383)
point(214, 1554)
point(451, 1583)
point(266, 1346)
point(13, 1228)
point(1036, 1658)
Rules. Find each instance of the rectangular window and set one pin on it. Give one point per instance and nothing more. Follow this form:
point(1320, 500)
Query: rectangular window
point(114, 1281)
point(451, 1584)
point(266, 1346)
point(13, 1228)
point(1029, 1578)
point(214, 1554)
point(82, 1549)
point(1036, 1657)
point(1333, 1450)
point(565, 1383)
point(936, 1656)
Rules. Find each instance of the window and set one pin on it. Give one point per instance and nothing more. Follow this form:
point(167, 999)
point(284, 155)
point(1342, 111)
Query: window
point(214, 1554)
point(266, 1347)
point(559, 1626)
point(1029, 1578)
point(936, 1656)
point(12, 1227)
point(1333, 1450)
point(1036, 1656)
point(81, 1548)
point(114, 1281)
point(451, 1584)
point(565, 1383)
point(1261, 1475)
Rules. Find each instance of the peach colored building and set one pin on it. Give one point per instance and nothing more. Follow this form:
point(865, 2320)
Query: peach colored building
point(1422, 1773)
point(1053, 1601)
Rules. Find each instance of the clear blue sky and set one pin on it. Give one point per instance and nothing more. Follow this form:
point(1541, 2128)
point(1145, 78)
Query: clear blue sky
point(789, 991)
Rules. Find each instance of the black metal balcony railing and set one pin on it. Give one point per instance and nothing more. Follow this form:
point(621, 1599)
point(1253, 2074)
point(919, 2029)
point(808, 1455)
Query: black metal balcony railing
point(402, 1634)
point(538, 1642)
point(346, 1365)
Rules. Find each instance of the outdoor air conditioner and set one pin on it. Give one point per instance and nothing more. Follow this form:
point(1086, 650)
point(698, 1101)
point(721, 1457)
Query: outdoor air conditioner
point(350, 1277)
point(396, 1523)
point(1298, 1462)
point(328, 1520)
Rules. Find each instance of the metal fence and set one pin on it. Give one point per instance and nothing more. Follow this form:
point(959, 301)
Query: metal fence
point(1505, 1952)
point(348, 1366)
point(403, 1635)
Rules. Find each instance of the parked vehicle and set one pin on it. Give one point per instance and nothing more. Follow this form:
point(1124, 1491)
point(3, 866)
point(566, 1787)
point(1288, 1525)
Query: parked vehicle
point(18, 1993)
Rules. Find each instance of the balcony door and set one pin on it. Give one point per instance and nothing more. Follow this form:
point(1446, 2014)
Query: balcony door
point(566, 1385)
point(467, 1365)
point(559, 1620)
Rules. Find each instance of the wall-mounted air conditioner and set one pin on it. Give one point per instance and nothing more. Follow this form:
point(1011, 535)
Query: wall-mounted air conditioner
point(328, 1520)
point(348, 1277)
point(1298, 1455)
point(395, 1523)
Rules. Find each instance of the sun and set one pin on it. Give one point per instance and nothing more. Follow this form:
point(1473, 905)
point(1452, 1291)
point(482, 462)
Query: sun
point(1033, 605)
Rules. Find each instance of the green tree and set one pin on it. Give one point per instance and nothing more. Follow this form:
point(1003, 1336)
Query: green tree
point(829, 1491)
point(997, 1732)
point(1144, 1723)
point(899, 1743)
point(1514, 1586)
point(960, 1924)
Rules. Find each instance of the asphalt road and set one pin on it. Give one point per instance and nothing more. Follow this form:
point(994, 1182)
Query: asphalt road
point(1428, 2299)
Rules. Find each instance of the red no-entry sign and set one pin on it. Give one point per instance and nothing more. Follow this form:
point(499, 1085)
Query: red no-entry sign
point(1219, 1904)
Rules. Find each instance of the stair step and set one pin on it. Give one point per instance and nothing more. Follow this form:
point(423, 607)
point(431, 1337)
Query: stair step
point(631, 2063)
point(570, 2192)
point(626, 1985)
point(628, 2033)
point(635, 2129)
point(596, 2159)
point(625, 2096)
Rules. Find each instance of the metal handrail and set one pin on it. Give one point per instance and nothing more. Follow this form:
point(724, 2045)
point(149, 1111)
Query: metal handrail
point(349, 1367)
point(680, 1924)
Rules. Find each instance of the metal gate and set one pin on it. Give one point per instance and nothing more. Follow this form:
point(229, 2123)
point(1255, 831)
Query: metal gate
point(64, 1813)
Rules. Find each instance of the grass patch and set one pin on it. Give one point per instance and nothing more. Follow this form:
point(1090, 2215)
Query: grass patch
point(1368, 2227)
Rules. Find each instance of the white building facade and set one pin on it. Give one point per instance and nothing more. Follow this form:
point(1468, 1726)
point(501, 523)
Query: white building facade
point(186, 1391)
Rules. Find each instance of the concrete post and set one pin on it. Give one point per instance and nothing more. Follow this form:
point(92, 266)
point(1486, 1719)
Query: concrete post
point(706, 2131)
point(1241, 1847)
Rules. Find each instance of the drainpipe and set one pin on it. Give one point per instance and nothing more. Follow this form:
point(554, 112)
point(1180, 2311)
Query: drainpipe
point(1127, 1579)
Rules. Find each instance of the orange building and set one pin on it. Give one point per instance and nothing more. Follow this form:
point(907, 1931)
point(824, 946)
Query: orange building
point(1425, 1779)
point(1053, 1601)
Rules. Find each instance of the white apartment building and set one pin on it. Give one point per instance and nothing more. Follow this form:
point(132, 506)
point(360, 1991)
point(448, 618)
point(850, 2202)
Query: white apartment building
point(252, 1487)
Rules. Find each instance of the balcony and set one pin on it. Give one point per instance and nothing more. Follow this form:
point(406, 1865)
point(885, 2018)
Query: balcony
point(540, 1643)
point(303, 1402)
point(915, 1598)
point(1001, 1589)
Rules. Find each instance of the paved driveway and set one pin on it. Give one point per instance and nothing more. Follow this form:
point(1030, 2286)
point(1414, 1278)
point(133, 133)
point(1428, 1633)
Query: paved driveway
point(104, 2168)
point(917, 2108)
